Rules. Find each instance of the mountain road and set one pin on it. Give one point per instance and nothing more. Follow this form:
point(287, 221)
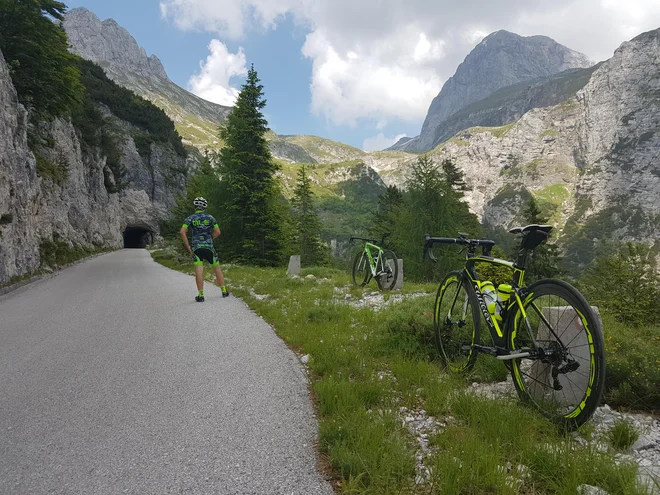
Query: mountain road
point(114, 380)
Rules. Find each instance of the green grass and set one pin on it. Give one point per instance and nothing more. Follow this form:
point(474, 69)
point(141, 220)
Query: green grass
point(498, 132)
point(550, 133)
point(56, 253)
point(365, 365)
point(622, 435)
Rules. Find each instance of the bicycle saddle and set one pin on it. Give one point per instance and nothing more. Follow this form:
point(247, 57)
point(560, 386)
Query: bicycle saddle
point(531, 228)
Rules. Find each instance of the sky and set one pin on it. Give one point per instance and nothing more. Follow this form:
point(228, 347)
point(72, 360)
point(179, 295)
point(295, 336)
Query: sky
point(362, 72)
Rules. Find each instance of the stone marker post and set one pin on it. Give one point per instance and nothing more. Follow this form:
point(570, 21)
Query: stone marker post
point(398, 285)
point(294, 265)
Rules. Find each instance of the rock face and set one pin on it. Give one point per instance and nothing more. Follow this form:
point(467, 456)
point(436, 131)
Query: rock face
point(108, 42)
point(593, 161)
point(126, 63)
point(501, 59)
point(77, 209)
point(19, 246)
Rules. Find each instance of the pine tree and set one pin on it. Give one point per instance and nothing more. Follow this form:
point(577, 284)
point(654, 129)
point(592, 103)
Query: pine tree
point(36, 51)
point(384, 217)
point(253, 233)
point(454, 175)
point(545, 260)
point(307, 224)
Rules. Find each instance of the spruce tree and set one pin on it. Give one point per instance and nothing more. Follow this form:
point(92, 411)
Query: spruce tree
point(454, 175)
point(307, 225)
point(385, 215)
point(545, 260)
point(253, 231)
point(431, 206)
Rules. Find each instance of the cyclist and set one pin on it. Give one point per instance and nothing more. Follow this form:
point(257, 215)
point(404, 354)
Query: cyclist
point(204, 230)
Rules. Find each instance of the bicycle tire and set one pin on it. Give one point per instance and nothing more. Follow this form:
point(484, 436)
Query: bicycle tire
point(443, 338)
point(585, 333)
point(361, 260)
point(388, 281)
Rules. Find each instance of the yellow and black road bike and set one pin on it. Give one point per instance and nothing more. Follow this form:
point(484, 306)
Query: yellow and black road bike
point(548, 336)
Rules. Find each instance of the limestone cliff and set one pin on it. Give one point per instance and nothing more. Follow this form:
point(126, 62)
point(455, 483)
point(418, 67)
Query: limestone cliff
point(593, 161)
point(52, 188)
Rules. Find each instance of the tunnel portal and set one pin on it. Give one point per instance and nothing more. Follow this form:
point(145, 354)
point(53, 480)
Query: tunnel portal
point(137, 237)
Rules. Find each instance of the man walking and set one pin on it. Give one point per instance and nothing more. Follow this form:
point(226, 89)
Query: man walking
point(204, 230)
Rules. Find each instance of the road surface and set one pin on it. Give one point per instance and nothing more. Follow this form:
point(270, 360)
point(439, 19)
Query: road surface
point(114, 380)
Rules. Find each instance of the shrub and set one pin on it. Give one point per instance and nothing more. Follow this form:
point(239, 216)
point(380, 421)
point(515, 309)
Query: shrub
point(57, 172)
point(625, 285)
point(632, 356)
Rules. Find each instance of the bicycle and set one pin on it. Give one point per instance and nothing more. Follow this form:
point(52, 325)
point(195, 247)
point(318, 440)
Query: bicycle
point(559, 372)
point(383, 266)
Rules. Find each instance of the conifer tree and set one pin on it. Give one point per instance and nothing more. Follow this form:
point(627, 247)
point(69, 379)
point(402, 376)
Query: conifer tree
point(307, 224)
point(253, 232)
point(430, 206)
point(385, 215)
point(36, 51)
point(454, 175)
point(545, 260)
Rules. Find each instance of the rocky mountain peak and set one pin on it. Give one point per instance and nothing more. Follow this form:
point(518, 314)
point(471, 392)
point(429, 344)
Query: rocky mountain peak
point(107, 43)
point(501, 59)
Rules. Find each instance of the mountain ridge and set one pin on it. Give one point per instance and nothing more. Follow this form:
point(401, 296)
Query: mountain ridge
point(114, 48)
point(501, 59)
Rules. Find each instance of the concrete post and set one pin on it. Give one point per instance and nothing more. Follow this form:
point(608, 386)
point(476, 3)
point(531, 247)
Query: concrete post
point(398, 285)
point(294, 265)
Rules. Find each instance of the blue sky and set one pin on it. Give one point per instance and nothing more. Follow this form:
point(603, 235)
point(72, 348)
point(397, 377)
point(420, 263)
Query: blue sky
point(276, 54)
point(362, 72)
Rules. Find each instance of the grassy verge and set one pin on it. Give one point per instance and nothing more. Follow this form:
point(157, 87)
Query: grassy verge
point(390, 421)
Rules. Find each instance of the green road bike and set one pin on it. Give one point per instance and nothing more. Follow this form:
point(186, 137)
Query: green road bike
point(548, 336)
point(375, 262)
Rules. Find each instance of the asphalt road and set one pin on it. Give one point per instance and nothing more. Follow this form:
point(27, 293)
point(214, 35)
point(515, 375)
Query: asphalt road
point(113, 380)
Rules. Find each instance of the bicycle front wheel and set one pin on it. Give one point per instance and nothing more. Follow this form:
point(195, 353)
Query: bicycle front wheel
point(457, 324)
point(361, 269)
point(564, 377)
point(389, 270)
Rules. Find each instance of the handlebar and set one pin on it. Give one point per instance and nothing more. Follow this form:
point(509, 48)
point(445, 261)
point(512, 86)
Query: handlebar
point(429, 242)
point(366, 239)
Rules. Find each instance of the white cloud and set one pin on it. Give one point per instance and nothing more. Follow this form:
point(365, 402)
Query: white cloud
point(345, 88)
point(386, 59)
point(212, 82)
point(380, 142)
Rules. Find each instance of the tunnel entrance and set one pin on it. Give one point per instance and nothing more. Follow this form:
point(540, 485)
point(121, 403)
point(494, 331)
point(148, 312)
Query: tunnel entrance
point(137, 237)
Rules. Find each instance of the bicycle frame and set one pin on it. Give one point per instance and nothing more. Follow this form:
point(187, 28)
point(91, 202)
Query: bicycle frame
point(471, 274)
point(496, 332)
point(372, 262)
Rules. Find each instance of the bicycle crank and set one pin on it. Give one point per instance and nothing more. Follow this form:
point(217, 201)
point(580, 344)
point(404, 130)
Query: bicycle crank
point(498, 352)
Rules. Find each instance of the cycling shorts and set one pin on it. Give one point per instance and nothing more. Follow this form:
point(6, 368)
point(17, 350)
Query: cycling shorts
point(205, 254)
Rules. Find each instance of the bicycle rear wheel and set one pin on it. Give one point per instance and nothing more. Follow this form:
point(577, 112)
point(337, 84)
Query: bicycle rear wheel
point(361, 269)
point(457, 324)
point(389, 270)
point(565, 381)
